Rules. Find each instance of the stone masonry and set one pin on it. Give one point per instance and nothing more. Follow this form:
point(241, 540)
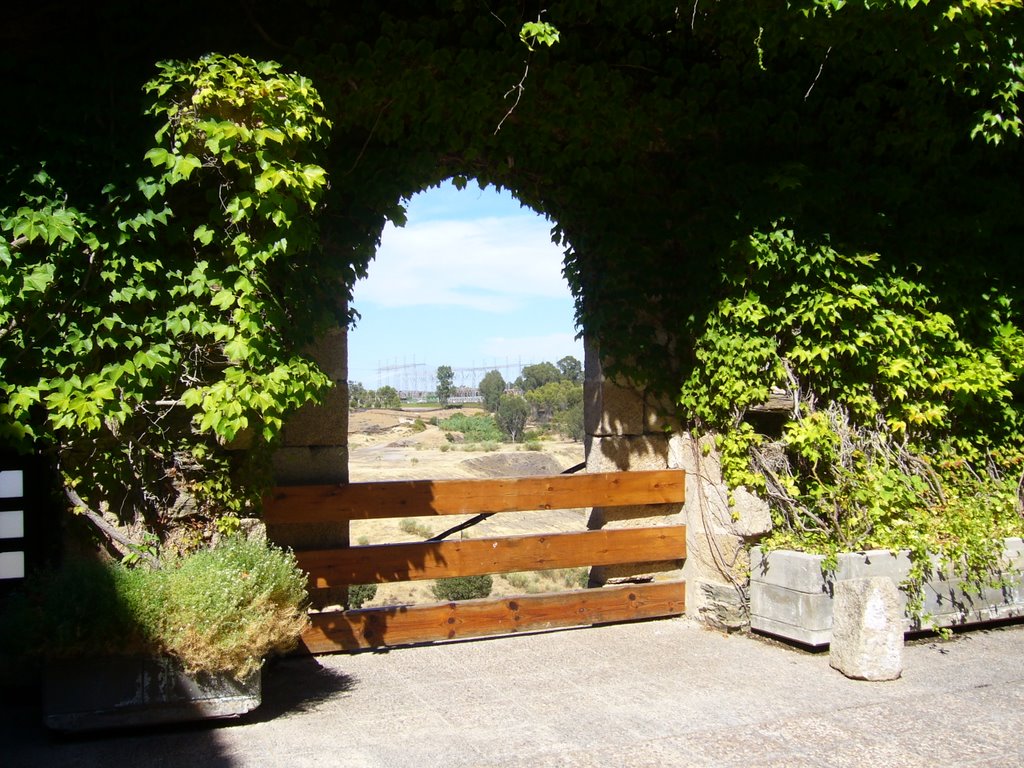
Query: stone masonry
point(626, 430)
point(314, 450)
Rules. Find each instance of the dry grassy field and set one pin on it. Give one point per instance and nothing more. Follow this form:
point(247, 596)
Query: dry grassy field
point(390, 445)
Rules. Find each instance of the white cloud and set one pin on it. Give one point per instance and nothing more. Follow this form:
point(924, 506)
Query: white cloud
point(491, 264)
point(550, 347)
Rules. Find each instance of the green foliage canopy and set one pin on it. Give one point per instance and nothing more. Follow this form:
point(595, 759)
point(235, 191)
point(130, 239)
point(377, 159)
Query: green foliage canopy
point(445, 384)
point(570, 369)
point(513, 411)
point(534, 376)
point(655, 136)
point(492, 387)
point(157, 321)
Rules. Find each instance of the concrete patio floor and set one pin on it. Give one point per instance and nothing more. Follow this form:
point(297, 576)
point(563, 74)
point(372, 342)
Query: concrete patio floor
point(656, 693)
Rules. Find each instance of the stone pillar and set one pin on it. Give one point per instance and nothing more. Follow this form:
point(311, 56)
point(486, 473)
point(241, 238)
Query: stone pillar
point(314, 450)
point(720, 531)
point(629, 430)
point(867, 629)
point(621, 437)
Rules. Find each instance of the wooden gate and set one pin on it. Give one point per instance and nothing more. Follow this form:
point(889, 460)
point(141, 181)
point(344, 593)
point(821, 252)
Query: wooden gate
point(399, 625)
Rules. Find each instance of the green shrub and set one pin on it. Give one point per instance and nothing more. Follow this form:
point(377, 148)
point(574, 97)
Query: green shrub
point(360, 594)
point(415, 528)
point(216, 610)
point(477, 428)
point(86, 608)
point(226, 608)
point(905, 431)
point(526, 582)
point(463, 587)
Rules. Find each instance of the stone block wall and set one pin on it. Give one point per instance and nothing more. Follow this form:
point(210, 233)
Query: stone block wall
point(628, 431)
point(314, 450)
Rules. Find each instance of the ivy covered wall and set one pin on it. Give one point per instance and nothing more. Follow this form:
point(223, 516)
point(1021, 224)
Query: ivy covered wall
point(664, 141)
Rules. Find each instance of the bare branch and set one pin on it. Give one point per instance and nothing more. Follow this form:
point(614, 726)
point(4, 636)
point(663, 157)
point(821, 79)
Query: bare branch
point(518, 88)
point(820, 70)
point(108, 530)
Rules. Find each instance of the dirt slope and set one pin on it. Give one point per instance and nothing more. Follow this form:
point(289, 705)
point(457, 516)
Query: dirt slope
point(390, 445)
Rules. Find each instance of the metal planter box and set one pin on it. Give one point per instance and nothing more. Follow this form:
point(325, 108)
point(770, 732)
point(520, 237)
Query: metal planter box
point(94, 694)
point(791, 598)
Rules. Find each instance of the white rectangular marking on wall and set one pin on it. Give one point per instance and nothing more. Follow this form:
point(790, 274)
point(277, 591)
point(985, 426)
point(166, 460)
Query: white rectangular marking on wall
point(12, 565)
point(12, 485)
point(12, 524)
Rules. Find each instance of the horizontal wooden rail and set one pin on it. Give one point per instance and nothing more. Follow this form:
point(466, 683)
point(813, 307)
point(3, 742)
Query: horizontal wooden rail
point(415, 498)
point(471, 557)
point(402, 625)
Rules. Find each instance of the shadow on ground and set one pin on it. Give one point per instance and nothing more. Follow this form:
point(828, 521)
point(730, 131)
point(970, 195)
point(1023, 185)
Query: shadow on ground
point(296, 684)
point(290, 686)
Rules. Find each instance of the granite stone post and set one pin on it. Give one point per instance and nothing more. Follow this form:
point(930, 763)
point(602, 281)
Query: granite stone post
point(314, 451)
point(627, 429)
point(867, 629)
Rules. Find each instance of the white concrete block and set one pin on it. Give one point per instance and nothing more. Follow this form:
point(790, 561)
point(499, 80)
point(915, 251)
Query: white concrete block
point(12, 524)
point(867, 629)
point(12, 565)
point(12, 484)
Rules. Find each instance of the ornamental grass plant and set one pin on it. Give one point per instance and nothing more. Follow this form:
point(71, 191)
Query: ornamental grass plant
point(218, 611)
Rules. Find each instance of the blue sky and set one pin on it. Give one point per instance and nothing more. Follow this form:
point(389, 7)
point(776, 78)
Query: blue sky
point(472, 280)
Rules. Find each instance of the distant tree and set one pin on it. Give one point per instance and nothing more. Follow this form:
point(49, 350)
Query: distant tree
point(571, 369)
point(445, 384)
point(492, 387)
point(387, 397)
point(512, 414)
point(554, 398)
point(357, 395)
point(570, 422)
point(538, 375)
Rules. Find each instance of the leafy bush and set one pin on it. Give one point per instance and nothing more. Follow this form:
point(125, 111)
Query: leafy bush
point(360, 594)
point(906, 430)
point(463, 587)
point(570, 422)
point(414, 528)
point(217, 610)
point(477, 428)
point(511, 417)
point(228, 607)
point(839, 487)
point(524, 582)
point(149, 325)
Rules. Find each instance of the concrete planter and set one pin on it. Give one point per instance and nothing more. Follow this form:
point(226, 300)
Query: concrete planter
point(791, 598)
point(94, 694)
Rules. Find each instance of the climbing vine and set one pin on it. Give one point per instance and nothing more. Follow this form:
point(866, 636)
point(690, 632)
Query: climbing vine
point(665, 141)
point(145, 332)
point(904, 430)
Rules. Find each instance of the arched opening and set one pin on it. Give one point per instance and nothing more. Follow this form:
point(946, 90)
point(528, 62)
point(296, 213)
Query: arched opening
point(471, 282)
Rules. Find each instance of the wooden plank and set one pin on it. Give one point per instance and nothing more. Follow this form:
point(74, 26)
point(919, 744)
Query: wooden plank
point(403, 625)
point(413, 498)
point(433, 560)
